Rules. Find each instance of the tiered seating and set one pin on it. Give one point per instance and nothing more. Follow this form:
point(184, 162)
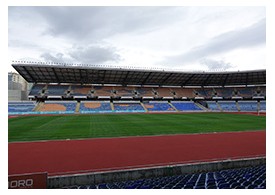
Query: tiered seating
point(262, 105)
point(158, 106)
point(103, 91)
point(164, 92)
point(125, 91)
point(260, 91)
point(145, 91)
point(94, 107)
point(183, 92)
point(57, 90)
point(201, 92)
point(242, 178)
point(228, 105)
point(56, 106)
point(209, 93)
point(21, 106)
point(248, 105)
point(212, 105)
point(136, 107)
point(184, 106)
point(246, 92)
point(224, 92)
point(79, 90)
point(36, 89)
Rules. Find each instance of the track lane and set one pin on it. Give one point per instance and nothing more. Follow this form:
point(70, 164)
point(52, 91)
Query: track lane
point(76, 156)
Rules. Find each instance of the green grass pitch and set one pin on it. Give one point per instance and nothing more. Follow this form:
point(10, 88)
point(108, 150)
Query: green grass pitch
point(30, 128)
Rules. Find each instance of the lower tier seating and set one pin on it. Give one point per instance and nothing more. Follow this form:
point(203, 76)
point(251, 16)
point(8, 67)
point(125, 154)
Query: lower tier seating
point(262, 105)
point(55, 106)
point(158, 106)
point(228, 105)
point(213, 105)
point(248, 105)
point(242, 178)
point(128, 107)
point(21, 106)
point(95, 106)
point(184, 106)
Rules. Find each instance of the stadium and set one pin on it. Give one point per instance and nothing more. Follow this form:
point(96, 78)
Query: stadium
point(111, 127)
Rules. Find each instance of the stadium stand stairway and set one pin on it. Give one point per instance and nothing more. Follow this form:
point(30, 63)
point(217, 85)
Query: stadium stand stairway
point(173, 107)
point(200, 106)
point(77, 107)
point(112, 106)
point(38, 106)
point(146, 110)
point(219, 106)
point(238, 107)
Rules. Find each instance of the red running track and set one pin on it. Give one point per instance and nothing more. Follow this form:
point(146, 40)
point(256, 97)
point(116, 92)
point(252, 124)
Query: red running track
point(75, 156)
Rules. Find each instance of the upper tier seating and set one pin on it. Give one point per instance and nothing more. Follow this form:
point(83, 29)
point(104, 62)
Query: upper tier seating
point(36, 90)
point(163, 92)
point(241, 178)
point(104, 91)
point(145, 91)
point(183, 92)
point(79, 90)
point(246, 92)
point(130, 91)
point(57, 90)
point(125, 91)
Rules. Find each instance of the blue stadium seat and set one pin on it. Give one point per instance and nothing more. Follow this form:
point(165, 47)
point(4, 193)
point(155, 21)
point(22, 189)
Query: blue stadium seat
point(248, 105)
point(226, 179)
point(228, 105)
point(136, 107)
point(158, 106)
point(21, 107)
point(86, 106)
point(186, 106)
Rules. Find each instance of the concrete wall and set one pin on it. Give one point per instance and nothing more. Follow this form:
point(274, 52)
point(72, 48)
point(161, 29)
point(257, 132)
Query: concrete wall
point(14, 95)
point(17, 95)
point(134, 174)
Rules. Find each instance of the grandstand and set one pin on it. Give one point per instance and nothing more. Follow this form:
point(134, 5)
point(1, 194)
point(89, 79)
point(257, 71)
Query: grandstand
point(84, 90)
point(190, 91)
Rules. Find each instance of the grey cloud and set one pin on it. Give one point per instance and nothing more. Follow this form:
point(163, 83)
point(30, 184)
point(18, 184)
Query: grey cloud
point(53, 58)
point(94, 23)
point(215, 65)
point(247, 37)
point(22, 43)
point(95, 54)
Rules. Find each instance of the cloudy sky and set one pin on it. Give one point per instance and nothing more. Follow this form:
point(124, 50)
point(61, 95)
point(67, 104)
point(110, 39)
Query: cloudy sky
point(186, 38)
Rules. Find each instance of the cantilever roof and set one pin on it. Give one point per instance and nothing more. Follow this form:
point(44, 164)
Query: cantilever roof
point(45, 73)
